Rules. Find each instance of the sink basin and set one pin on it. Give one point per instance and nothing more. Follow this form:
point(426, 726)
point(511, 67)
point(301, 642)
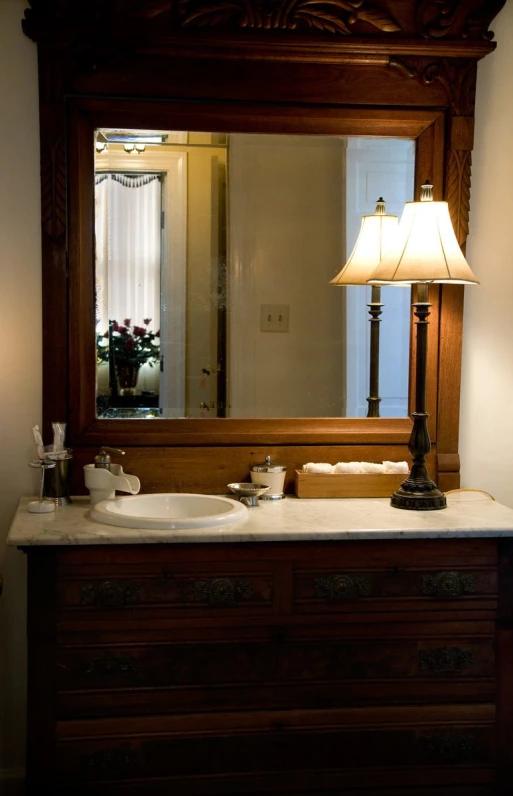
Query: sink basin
point(170, 511)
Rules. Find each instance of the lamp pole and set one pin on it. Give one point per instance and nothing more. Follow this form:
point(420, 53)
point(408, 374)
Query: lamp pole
point(418, 491)
point(375, 308)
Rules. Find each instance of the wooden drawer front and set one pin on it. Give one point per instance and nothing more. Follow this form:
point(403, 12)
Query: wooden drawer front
point(294, 784)
point(270, 662)
point(270, 742)
point(372, 590)
point(183, 591)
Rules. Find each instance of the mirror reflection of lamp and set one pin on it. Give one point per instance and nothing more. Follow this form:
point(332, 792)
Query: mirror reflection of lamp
point(426, 251)
point(377, 234)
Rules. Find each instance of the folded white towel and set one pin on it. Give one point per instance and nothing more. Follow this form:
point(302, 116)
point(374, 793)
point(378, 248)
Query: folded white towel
point(370, 467)
point(348, 467)
point(319, 467)
point(396, 467)
point(356, 467)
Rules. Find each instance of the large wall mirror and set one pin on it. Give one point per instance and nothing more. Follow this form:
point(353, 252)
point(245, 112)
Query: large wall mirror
point(213, 256)
point(206, 262)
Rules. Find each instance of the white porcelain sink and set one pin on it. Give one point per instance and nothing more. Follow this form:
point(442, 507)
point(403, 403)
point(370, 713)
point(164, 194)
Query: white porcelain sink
point(170, 511)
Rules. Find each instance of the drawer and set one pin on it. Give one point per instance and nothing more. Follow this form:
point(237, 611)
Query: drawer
point(271, 673)
point(393, 588)
point(180, 589)
point(365, 746)
point(300, 784)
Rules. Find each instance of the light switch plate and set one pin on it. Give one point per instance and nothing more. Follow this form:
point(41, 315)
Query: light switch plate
point(274, 317)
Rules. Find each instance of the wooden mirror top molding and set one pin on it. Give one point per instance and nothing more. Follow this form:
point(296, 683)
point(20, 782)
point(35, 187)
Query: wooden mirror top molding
point(297, 30)
point(396, 68)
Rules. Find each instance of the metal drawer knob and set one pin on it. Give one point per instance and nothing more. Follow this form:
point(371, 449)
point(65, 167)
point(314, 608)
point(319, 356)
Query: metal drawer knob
point(101, 667)
point(111, 760)
point(110, 594)
point(342, 587)
point(448, 584)
point(446, 659)
point(220, 591)
point(448, 747)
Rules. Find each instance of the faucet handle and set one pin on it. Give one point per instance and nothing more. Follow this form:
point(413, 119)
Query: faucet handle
point(103, 459)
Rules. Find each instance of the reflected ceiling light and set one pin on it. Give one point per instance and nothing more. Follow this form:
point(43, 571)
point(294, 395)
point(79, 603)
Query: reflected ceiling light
point(101, 146)
point(134, 148)
point(377, 234)
point(426, 250)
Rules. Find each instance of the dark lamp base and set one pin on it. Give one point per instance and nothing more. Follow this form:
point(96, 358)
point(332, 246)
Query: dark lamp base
point(415, 496)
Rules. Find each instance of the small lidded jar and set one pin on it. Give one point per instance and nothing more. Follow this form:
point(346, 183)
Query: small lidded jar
point(272, 475)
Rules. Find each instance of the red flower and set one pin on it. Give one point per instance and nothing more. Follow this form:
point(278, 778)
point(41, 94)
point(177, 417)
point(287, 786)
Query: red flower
point(147, 321)
point(128, 344)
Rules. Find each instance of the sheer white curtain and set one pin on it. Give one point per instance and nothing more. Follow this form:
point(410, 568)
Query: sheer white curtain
point(128, 248)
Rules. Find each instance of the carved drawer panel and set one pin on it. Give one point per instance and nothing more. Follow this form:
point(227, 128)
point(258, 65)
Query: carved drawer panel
point(236, 745)
point(381, 589)
point(196, 677)
point(133, 701)
point(182, 590)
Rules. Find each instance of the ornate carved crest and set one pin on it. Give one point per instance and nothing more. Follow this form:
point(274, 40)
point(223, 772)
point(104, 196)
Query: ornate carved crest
point(435, 19)
point(331, 16)
point(438, 19)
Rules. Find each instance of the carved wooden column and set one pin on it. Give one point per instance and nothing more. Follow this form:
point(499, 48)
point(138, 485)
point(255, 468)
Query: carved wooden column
point(459, 79)
point(53, 223)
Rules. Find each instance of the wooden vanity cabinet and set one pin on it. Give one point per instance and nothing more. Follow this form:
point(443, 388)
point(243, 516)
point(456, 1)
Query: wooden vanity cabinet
point(369, 667)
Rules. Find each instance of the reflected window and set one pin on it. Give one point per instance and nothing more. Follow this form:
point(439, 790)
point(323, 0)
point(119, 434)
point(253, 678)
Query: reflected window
point(128, 286)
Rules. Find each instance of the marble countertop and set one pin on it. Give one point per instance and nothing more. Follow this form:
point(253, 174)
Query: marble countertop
point(468, 514)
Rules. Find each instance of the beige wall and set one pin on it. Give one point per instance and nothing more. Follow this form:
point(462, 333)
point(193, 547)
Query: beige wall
point(486, 445)
point(20, 313)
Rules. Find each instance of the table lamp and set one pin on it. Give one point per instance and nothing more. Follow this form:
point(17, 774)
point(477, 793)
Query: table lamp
point(426, 250)
point(377, 234)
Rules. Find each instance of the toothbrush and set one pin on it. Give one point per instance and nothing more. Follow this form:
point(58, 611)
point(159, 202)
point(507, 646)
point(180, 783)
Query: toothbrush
point(39, 442)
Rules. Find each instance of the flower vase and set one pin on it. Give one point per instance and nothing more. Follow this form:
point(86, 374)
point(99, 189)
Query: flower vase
point(127, 378)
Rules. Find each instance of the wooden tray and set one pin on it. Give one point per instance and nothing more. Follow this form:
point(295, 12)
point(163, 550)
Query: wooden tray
point(346, 485)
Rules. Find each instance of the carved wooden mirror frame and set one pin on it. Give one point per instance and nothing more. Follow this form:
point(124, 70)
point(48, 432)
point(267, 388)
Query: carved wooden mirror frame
point(368, 68)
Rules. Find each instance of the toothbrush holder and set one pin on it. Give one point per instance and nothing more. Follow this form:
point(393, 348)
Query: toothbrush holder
point(57, 480)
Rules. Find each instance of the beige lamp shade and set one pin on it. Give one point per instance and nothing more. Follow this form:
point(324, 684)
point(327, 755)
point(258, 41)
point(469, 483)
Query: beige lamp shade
point(426, 249)
point(377, 235)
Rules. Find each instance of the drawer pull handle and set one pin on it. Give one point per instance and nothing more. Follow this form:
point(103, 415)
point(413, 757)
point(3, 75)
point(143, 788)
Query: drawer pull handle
point(448, 747)
point(105, 666)
point(448, 584)
point(342, 587)
point(446, 659)
point(110, 594)
point(220, 591)
point(111, 760)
